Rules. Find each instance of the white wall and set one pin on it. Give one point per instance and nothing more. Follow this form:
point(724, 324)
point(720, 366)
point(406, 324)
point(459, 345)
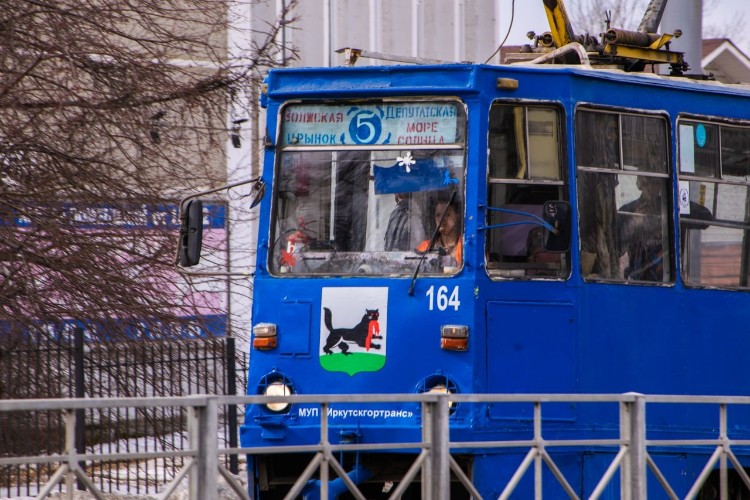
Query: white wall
point(451, 30)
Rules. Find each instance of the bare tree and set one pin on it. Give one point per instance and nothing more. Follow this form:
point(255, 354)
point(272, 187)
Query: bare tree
point(108, 111)
point(590, 16)
point(734, 29)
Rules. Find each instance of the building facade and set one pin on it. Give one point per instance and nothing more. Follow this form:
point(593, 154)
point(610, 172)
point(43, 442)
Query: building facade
point(445, 30)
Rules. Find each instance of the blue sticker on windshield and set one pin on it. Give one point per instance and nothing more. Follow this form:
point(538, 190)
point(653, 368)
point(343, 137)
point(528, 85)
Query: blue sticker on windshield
point(409, 175)
point(700, 135)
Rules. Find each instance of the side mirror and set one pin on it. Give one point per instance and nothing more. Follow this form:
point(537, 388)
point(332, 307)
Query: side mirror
point(191, 233)
point(258, 191)
point(557, 214)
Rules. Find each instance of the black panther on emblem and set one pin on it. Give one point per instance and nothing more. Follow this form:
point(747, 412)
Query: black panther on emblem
point(360, 334)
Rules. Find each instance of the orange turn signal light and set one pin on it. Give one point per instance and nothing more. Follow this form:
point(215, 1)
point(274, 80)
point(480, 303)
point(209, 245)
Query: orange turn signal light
point(264, 343)
point(454, 337)
point(454, 344)
point(264, 336)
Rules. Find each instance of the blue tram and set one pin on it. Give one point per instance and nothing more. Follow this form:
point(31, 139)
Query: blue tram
point(600, 243)
point(525, 228)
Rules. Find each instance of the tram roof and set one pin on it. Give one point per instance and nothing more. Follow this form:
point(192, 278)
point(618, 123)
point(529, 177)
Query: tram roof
point(361, 81)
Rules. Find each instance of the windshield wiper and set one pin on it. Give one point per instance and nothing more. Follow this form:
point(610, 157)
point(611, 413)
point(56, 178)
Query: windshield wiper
point(432, 242)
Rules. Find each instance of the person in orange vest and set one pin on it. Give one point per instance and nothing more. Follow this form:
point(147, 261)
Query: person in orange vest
point(448, 241)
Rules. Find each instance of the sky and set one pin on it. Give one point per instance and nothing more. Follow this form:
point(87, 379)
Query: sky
point(530, 16)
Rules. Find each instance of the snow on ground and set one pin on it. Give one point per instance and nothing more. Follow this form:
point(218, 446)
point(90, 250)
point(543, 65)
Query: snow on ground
point(181, 493)
point(152, 469)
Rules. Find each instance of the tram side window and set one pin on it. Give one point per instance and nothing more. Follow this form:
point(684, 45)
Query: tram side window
point(525, 171)
point(623, 197)
point(714, 174)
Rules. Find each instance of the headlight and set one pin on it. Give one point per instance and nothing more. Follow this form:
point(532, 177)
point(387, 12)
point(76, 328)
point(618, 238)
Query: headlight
point(278, 389)
point(438, 389)
point(441, 389)
point(439, 384)
point(276, 384)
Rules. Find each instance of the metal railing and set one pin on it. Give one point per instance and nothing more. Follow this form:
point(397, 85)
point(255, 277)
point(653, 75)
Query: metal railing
point(433, 456)
point(69, 367)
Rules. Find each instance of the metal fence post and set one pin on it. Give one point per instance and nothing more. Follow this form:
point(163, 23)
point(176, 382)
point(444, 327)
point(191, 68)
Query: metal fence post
point(202, 424)
point(538, 471)
point(231, 390)
point(428, 409)
point(435, 433)
point(80, 392)
point(633, 431)
point(441, 480)
point(723, 436)
point(70, 426)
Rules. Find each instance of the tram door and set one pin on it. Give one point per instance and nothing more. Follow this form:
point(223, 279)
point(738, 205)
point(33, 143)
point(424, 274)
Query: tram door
point(530, 329)
point(530, 349)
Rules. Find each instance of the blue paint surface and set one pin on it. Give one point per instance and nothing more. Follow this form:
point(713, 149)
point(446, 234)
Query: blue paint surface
point(541, 336)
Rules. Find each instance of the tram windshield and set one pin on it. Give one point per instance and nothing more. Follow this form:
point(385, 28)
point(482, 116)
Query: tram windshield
point(360, 189)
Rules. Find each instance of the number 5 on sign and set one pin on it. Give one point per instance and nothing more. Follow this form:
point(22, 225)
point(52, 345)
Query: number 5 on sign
point(441, 300)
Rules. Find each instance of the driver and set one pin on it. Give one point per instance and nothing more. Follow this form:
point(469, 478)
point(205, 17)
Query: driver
point(448, 241)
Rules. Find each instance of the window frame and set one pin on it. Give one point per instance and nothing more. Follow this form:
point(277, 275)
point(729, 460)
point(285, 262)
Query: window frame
point(667, 176)
point(506, 270)
point(719, 179)
point(460, 147)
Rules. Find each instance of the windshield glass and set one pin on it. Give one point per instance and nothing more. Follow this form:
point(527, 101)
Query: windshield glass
point(360, 189)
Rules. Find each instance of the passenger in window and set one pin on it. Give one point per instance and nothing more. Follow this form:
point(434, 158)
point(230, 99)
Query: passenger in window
point(641, 232)
point(448, 242)
point(598, 143)
point(397, 233)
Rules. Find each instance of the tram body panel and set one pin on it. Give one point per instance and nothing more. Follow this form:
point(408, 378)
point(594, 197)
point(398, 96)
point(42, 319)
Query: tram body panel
point(528, 332)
